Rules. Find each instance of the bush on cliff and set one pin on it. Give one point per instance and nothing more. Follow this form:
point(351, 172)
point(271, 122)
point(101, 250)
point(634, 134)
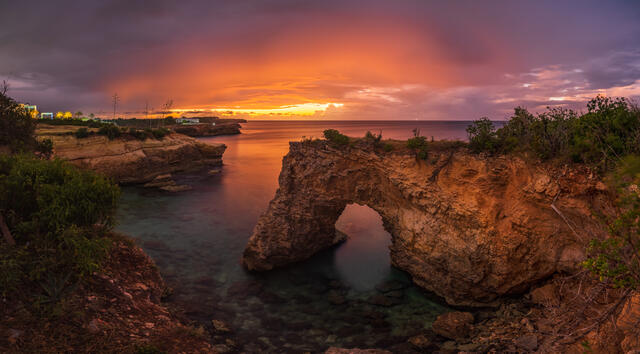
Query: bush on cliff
point(111, 131)
point(617, 258)
point(57, 217)
point(609, 130)
point(336, 138)
point(160, 133)
point(418, 144)
point(82, 133)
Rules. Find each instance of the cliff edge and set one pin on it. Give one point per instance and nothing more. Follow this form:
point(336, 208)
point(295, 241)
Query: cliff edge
point(129, 160)
point(469, 228)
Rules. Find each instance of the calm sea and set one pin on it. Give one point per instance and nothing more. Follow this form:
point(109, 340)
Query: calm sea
point(197, 238)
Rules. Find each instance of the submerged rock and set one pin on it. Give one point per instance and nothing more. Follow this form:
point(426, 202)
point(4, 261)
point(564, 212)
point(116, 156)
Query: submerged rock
point(177, 188)
point(391, 285)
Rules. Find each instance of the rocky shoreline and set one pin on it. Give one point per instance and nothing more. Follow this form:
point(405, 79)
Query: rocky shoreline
point(202, 130)
point(131, 161)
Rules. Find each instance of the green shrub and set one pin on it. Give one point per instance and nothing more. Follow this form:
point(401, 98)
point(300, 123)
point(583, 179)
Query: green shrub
point(388, 147)
point(482, 136)
point(373, 139)
point(110, 130)
point(608, 131)
point(139, 134)
point(419, 146)
point(58, 216)
point(82, 133)
point(160, 133)
point(44, 148)
point(17, 128)
point(617, 258)
point(334, 137)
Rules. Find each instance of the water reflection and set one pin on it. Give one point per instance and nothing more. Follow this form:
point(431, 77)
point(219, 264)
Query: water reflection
point(197, 238)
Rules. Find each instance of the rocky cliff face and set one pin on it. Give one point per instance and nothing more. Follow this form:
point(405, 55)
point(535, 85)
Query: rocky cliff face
point(469, 228)
point(208, 129)
point(128, 160)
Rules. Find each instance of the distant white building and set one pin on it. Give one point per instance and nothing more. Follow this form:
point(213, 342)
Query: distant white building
point(46, 115)
point(188, 121)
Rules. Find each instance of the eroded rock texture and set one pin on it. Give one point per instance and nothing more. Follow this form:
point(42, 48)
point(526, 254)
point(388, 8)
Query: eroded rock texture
point(129, 160)
point(468, 228)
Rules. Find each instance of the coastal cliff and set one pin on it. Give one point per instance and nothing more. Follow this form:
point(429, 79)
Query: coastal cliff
point(201, 130)
point(128, 160)
point(471, 229)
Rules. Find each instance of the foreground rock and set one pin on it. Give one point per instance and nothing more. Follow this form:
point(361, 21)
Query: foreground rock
point(128, 160)
point(469, 228)
point(118, 310)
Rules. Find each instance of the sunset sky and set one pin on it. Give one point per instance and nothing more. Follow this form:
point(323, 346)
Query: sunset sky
point(329, 59)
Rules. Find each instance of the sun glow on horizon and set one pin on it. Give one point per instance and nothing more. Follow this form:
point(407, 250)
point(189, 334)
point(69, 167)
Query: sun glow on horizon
point(302, 109)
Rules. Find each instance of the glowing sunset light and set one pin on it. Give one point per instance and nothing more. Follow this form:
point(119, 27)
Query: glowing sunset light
point(347, 59)
point(303, 109)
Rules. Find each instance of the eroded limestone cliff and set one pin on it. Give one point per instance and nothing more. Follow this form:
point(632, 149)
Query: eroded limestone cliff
point(128, 160)
point(468, 228)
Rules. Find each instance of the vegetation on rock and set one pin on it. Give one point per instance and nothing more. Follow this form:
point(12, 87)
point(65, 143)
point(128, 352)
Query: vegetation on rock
point(608, 131)
point(607, 138)
point(336, 138)
point(58, 217)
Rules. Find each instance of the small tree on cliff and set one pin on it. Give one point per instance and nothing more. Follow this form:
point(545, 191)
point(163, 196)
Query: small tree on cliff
point(17, 128)
point(617, 258)
point(418, 144)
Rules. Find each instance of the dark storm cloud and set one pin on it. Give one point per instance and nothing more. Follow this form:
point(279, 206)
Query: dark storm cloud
point(65, 53)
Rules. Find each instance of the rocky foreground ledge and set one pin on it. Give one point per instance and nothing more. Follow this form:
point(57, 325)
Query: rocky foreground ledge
point(479, 231)
point(117, 310)
point(131, 161)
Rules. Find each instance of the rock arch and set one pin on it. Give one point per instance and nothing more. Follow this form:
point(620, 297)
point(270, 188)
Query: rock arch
point(468, 228)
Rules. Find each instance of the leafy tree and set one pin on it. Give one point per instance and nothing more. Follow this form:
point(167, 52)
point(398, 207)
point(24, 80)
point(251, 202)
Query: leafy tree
point(78, 114)
point(17, 128)
point(482, 136)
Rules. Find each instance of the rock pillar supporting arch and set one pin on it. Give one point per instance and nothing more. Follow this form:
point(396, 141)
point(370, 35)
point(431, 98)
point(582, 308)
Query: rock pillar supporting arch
point(467, 228)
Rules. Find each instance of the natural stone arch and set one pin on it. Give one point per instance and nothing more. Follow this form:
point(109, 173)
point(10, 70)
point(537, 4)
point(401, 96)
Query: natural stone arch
point(467, 228)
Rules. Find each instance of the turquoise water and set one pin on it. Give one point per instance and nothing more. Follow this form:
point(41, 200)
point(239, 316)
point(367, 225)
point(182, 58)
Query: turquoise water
point(348, 296)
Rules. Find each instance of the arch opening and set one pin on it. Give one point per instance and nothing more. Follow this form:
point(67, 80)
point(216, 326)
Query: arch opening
point(363, 260)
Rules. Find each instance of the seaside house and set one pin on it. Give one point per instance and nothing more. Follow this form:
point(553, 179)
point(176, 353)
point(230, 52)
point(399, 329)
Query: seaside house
point(31, 109)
